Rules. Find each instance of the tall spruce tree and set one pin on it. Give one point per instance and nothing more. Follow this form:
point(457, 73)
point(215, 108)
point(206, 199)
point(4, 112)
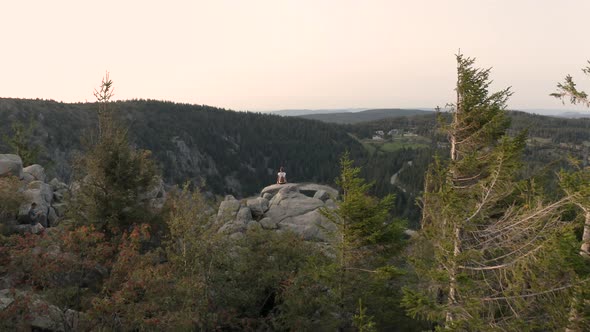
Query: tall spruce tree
point(366, 239)
point(112, 174)
point(487, 243)
point(577, 185)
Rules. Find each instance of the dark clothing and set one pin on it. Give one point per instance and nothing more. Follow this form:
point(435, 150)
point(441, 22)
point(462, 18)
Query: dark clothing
point(33, 216)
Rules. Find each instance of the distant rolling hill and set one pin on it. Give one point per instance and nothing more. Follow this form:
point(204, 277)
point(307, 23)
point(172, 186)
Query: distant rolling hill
point(364, 116)
point(574, 115)
point(299, 112)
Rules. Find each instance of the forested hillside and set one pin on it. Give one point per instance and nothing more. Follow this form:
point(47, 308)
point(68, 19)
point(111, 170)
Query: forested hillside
point(230, 152)
point(501, 239)
point(399, 158)
point(238, 153)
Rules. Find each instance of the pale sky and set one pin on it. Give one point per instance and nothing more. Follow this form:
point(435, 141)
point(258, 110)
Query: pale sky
point(274, 54)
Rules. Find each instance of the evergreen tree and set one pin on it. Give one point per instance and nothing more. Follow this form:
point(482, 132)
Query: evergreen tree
point(366, 239)
point(568, 89)
point(487, 243)
point(576, 184)
point(112, 175)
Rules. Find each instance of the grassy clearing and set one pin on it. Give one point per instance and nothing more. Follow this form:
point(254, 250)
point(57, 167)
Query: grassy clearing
point(392, 145)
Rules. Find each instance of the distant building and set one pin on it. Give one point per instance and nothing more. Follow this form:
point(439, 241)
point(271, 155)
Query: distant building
point(380, 133)
point(394, 132)
point(377, 138)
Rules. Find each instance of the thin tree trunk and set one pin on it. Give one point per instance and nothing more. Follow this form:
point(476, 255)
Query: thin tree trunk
point(452, 298)
point(574, 316)
point(585, 247)
point(342, 277)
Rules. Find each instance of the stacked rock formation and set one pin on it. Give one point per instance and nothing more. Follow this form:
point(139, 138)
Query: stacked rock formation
point(49, 197)
point(293, 207)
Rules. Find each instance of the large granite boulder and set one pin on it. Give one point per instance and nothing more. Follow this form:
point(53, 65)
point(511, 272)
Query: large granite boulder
point(292, 207)
point(308, 189)
point(57, 185)
point(28, 228)
point(258, 206)
point(228, 209)
point(290, 204)
point(269, 223)
point(44, 190)
point(316, 188)
point(11, 164)
point(275, 188)
point(28, 178)
point(244, 215)
point(36, 171)
point(36, 192)
point(311, 226)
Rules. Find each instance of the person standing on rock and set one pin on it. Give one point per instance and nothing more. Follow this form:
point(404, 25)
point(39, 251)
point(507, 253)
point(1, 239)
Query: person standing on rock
point(281, 176)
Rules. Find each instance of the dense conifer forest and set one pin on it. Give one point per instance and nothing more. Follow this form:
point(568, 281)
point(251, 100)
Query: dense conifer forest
point(472, 219)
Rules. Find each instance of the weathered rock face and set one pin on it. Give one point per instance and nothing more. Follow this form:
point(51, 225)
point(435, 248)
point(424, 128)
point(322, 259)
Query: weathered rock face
point(258, 206)
point(36, 192)
point(11, 164)
point(47, 196)
point(37, 171)
point(228, 209)
point(294, 207)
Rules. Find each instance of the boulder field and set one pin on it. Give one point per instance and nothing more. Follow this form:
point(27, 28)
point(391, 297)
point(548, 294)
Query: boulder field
point(294, 207)
point(49, 197)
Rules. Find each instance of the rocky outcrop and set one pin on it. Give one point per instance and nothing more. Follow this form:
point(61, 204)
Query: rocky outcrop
point(11, 165)
point(37, 172)
point(228, 209)
point(258, 206)
point(40, 193)
point(288, 207)
point(48, 197)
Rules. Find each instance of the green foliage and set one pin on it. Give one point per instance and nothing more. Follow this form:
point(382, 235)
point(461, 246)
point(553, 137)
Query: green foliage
point(362, 218)
point(112, 175)
point(362, 321)
point(576, 185)
point(366, 242)
point(568, 89)
point(200, 279)
point(196, 143)
point(138, 294)
point(21, 143)
point(487, 243)
point(17, 316)
point(194, 251)
point(11, 198)
point(63, 267)
point(205, 145)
